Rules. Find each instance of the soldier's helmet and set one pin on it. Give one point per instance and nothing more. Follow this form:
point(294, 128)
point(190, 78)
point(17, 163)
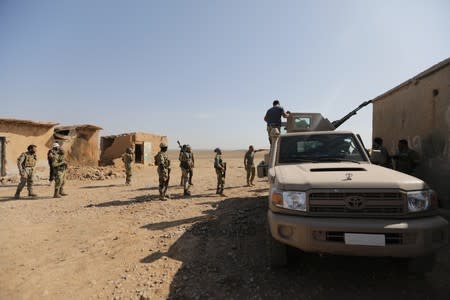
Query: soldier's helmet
point(163, 145)
point(188, 146)
point(129, 150)
point(55, 145)
point(31, 147)
point(217, 150)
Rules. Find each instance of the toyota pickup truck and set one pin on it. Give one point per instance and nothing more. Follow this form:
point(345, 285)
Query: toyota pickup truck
point(327, 197)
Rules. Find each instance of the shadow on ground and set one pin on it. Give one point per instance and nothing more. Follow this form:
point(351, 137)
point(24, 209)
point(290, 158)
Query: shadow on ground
point(223, 256)
point(26, 198)
point(136, 200)
point(102, 186)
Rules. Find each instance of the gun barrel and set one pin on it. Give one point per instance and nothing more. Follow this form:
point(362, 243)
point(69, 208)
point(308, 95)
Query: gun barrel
point(339, 122)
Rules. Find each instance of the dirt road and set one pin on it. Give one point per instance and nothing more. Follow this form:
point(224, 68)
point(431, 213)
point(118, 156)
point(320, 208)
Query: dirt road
point(110, 241)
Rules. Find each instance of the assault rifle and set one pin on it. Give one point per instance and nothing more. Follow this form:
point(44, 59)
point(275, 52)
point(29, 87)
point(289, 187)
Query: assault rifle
point(224, 169)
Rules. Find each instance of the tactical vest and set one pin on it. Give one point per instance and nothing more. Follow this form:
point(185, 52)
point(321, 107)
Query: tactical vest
point(30, 161)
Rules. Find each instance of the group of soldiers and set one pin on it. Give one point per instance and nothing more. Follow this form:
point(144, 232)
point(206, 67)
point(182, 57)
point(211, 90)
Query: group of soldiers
point(57, 164)
point(186, 158)
point(405, 159)
point(26, 164)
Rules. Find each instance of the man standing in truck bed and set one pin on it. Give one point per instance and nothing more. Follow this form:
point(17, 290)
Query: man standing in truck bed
point(273, 117)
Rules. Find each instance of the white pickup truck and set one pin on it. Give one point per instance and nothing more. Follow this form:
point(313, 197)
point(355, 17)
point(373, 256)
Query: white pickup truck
point(327, 197)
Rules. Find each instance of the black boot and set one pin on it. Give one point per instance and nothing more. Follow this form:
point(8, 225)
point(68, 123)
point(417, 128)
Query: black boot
point(61, 192)
point(56, 194)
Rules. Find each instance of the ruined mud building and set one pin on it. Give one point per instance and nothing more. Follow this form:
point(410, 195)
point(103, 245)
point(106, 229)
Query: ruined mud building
point(145, 146)
point(81, 143)
point(418, 110)
point(16, 135)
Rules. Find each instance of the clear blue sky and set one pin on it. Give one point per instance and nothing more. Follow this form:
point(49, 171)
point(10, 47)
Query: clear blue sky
point(206, 71)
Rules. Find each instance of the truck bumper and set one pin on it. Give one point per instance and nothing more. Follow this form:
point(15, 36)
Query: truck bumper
point(361, 237)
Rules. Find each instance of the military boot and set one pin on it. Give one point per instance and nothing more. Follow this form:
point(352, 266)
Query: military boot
point(161, 195)
point(31, 194)
point(61, 192)
point(17, 194)
point(187, 193)
point(56, 194)
point(218, 190)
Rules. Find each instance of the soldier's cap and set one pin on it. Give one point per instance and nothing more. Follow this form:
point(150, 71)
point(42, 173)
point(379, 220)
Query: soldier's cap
point(55, 145)
point(217, 150)
point(31, 146)
point(163, 145)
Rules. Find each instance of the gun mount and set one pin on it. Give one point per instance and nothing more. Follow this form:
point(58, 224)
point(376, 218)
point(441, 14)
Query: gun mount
point(298, 122)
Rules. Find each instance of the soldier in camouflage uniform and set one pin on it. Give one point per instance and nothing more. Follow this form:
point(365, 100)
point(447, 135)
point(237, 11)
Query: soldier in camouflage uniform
point(250, 164)
point(186, 164)
point(163, 163)
point(50, 157)
point(128, 159)
point(220, 167)
point(59, 169)
point(26, 163)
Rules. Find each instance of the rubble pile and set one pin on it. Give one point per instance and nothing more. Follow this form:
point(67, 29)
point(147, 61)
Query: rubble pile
point(9, 179)
point(94, 173)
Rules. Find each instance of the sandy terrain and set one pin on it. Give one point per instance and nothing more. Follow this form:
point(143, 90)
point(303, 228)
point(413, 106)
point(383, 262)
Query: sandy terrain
point(110, 241)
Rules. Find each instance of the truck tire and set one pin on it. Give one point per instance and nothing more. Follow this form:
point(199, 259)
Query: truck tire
point(421, 265)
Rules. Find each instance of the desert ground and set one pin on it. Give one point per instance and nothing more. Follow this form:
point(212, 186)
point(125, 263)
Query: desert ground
point(110, 241)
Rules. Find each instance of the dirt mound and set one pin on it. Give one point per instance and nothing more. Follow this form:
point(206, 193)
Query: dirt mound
point(91, 173)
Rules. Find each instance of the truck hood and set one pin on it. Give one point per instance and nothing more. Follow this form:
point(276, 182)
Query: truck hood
point(341, 175)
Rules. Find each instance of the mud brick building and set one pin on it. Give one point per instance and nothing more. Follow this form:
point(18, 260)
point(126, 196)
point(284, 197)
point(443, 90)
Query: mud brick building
point(418, 110)
point(145, 146)
point(16, 135)
point(81, 143)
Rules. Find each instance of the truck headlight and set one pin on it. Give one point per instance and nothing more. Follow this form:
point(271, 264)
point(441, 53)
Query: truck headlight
point(419, 200)
point(294, 200)
point(289, 199)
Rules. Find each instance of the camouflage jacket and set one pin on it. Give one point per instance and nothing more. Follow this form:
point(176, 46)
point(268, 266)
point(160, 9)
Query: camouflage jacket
point(127, 158)
point(26, 160)
point(59, 162)
point(186, 161)
point(162, 160)
point(218, 162)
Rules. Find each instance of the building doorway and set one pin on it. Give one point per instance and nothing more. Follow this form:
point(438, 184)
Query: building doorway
point(2, 156)
point(139, 153)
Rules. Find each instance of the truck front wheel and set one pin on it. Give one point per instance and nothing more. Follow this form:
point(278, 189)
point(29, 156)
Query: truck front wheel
point(276, 252)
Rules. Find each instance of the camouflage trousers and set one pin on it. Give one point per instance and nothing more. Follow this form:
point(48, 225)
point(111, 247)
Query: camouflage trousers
point(250, 174)
point(128, 174)
point(185, 178)
point(220, 179)
point(163, 174)
point(60, 179)
point(26, 179)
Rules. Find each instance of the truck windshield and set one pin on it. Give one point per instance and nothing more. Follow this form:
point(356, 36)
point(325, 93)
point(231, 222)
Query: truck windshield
point(320, 148)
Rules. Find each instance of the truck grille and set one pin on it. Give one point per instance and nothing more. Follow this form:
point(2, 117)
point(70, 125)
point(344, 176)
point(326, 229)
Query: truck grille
point(356, 204)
